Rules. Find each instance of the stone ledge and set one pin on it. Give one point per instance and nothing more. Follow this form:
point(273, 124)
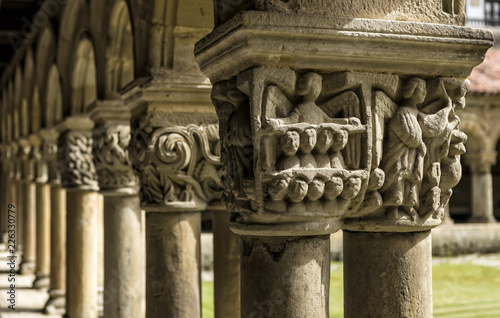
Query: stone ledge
point(339, 44)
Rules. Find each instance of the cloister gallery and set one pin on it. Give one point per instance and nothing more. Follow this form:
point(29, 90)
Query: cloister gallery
point(124, 121)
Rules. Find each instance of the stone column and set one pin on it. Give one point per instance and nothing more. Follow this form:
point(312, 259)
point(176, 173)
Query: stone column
point(4, 175)
point(123, 280)
point(482, 186)
point(78, 177)
point(174, 151)
point(57, 289)
point(227, 251)
point(28, 190)
point(14, 196)
point(42, 221)
point(317, 136)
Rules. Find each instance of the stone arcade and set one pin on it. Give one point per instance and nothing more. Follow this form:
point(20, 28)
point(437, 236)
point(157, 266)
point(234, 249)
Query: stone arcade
point(303, 118)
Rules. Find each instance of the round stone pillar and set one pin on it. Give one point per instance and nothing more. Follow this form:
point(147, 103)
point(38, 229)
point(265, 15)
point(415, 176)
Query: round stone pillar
point(227, 251)
point(43, 236)
point(123, 292)
point(4, 174)
point(28, 190)
point(174, 153)
point(57, 226)
point(296, 272)
point(395, 266)
point(57, 291)
point(43, 207)
point(173, 285)
point(78, 177)
point(482, 187)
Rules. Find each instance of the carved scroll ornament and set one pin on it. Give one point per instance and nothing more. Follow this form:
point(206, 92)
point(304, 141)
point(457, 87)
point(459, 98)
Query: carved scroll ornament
point(373, 150)
point(111, 157)
point(75, 160)
point(179, 166)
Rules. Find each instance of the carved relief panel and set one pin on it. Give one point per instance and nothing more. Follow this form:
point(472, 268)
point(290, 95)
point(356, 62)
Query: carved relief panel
point(179, 166)
point(375, 149)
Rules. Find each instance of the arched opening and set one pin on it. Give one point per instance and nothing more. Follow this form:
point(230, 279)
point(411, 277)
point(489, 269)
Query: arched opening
point(54, 110)
point(120, 51)
point(83, 80)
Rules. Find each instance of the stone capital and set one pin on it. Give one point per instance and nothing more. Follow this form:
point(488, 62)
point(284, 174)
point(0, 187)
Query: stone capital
point(175, 146)
point(317, 136)
point(49, 139)
point(25, 155)
point(481, 162)
point(75, 160)
point(111, 136)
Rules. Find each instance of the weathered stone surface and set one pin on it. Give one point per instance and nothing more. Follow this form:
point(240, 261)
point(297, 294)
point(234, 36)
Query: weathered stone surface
point(445, 12)
point(57, 291)
point(226, 267)
point(173, 264)
point(82, 254)
point(395, 266)
point(123, 291)
point(339, 44)
point(285, 277)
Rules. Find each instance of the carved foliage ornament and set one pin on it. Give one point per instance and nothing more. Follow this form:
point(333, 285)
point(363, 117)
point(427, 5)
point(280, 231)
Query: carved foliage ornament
point(75, 161)
point(299, 147)
point(111, 156)
point(179, 166)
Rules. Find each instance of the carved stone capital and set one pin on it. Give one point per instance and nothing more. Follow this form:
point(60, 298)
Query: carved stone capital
point(49, 155)
point(111, 141)
point(345, 145)
point(75, 160)
point(178, 165)
point(309, 153)
point(25, 156)
point(111, 158)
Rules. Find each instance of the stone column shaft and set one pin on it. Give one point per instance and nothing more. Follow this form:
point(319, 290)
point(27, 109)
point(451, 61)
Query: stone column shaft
point(43, 236)
point(28, 190)
point(227, 251)
point(82, 261)
point(293, 279)
point(482, 186)
point(397, 267)
point(173, 264)
point(78, 177)
point(57, 301)
point(123, 292)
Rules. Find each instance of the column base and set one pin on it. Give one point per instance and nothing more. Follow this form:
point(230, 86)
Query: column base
point(42, 281)
point(27, 268)
point(482, 219)
point(56, 305)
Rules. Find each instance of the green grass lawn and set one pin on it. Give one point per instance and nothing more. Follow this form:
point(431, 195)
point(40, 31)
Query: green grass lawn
point(459, 291)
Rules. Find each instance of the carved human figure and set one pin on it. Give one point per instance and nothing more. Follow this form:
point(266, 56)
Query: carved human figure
point(404, 151)
point(339, 142)
point(307, 144)
point(309, 86)
point(323, 145)
point(333, 188)
point(298, 190)
point(289, 143)
point(239, 150)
